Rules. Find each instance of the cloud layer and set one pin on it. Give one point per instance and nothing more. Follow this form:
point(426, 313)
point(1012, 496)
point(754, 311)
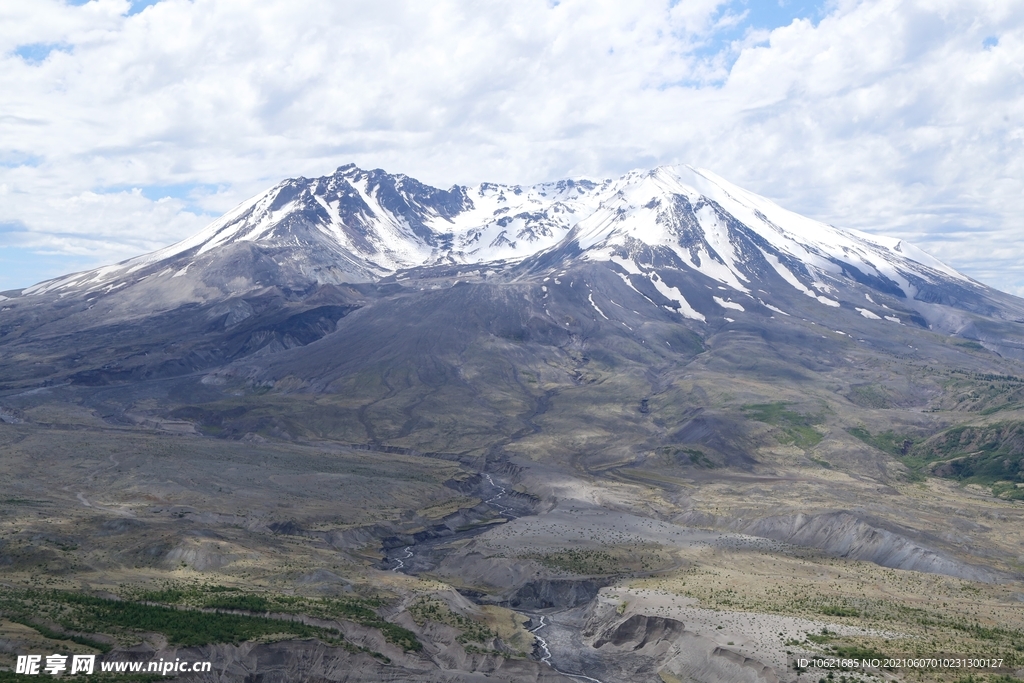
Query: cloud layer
point(121, 132)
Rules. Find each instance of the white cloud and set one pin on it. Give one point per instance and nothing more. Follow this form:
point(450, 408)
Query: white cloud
point(887, 115)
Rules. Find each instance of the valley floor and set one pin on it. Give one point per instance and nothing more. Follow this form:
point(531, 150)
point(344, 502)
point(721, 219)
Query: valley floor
point(403, 567)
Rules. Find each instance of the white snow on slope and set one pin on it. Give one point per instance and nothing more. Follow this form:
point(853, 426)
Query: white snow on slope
point(773, 308)
point(631, 215)
point(802, 236)
point(590, 297)
point(673, 294)
point(728, 304)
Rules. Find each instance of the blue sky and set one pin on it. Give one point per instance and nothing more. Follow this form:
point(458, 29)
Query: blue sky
point(20, 265)
point(761, 15)
point(126, 126)
point(134, 6)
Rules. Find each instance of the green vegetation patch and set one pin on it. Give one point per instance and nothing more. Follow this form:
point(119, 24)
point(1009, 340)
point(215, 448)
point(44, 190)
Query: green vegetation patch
point(797, 428)
point(433, 609)
point(1007, 490)
point(869, 396)
point(48, 632)
point(639, 557)
point(187, 628)
point(359, 610)
point(991, 455)
point(986, 393)
point(187, 615)
point(699, 459)
point(23, 501)
point(245, 602)
point(581, 561)
point(888, 441)
point(694, 456)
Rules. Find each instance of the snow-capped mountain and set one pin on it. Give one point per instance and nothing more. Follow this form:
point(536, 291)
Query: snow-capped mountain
point(359, 226)
point(672, 224)
point(702, 222)
point(359, 255)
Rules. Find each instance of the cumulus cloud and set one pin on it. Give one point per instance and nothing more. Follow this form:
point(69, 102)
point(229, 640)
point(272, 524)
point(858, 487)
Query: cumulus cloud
point(893, 116)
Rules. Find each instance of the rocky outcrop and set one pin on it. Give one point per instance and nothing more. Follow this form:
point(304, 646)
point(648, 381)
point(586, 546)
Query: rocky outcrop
point(645, 647)
point(551, 593)
point(640, 631)
point(845, 535)
point(497, 577)
point(358, 537)
point(462, 520)
point(11, 416)
point(202, 556)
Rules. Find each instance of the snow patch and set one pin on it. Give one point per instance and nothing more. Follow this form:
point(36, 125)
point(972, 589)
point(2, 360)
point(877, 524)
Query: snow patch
point(773, 308)
point(625, 278)
point(590, 297)
point(787, 274)
point(728, 304)
point(673, 294)
point(868, 314)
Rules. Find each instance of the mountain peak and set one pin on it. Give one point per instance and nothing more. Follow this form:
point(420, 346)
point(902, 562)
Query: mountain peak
point(675, 227)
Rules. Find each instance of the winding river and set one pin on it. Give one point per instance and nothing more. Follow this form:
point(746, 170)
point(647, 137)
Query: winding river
point(546, 658)
point(543, 645)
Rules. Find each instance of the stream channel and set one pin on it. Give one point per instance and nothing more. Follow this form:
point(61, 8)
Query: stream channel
point(556, 629)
